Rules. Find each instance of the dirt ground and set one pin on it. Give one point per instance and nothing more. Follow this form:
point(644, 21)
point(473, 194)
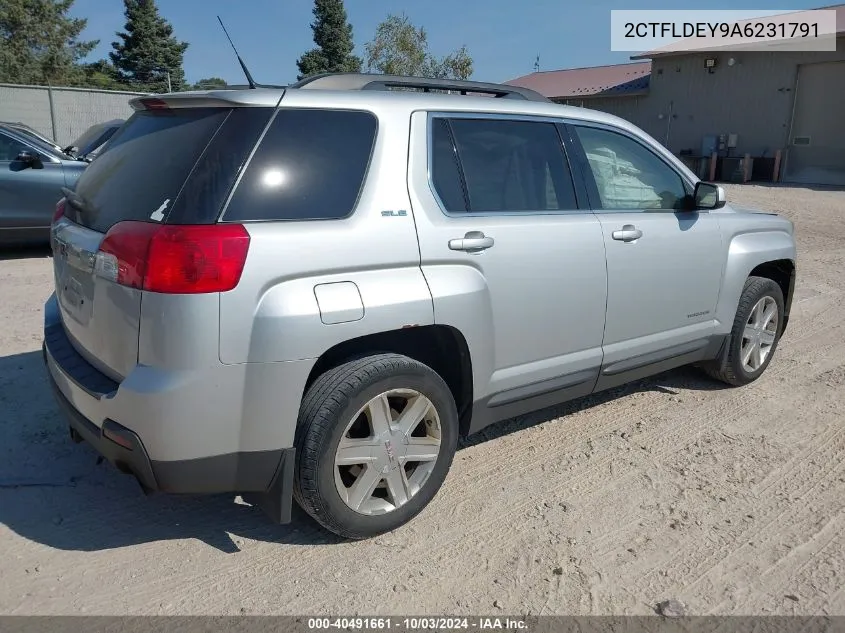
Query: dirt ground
point(730, 500)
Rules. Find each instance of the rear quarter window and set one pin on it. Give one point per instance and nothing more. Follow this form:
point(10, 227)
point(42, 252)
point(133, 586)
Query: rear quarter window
point(310, 165)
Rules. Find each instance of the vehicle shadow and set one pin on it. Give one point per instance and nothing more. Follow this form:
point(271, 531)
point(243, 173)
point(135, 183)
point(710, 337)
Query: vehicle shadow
point(63, 495)
point(27, 251)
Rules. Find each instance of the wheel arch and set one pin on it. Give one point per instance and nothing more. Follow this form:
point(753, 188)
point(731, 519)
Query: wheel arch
point(441, 347)
point(782, 272)
point(769, 254)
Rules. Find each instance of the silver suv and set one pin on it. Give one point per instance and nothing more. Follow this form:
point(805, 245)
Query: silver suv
point(311, 292)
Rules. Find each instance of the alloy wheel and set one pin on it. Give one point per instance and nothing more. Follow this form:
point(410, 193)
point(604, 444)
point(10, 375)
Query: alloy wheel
point(387, 451)
point(758, 337)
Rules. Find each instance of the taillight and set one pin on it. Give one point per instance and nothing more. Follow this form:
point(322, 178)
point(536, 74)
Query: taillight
point(174, 259)
point(124, 251)
point(60, 210)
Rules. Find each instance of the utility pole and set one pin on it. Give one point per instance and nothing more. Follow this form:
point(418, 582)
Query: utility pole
point(52, 109)
point(169, 87)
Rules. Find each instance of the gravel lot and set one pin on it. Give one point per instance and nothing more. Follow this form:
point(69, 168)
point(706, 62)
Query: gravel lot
point(730, 500)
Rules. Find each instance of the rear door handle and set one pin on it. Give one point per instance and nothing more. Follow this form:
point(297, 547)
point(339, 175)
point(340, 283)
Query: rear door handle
point(472, 242)
point(629, 233)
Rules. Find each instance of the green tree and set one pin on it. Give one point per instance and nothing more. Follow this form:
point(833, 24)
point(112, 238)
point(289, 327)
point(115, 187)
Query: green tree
point(102, 74)
point(210, 84)
point(400, 48)
point(40, 44)
point(333, 37)
point(148, 52)
point(456, 65)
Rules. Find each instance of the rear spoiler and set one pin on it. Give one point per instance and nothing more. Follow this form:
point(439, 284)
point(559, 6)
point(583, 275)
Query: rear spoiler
point(209, 99)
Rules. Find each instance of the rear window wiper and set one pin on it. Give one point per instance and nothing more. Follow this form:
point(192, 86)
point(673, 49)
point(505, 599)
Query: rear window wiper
point(74, 199)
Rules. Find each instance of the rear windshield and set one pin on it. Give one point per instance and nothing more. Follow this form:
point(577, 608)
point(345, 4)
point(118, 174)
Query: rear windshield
point(146, 163)
point(87, 135)
point(104, 135)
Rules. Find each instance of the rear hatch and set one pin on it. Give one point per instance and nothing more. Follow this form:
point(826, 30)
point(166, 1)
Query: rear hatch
point(139, 220)
point(91, 143)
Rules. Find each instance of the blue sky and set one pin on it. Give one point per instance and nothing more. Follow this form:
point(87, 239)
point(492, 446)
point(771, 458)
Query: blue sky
point(502, 36)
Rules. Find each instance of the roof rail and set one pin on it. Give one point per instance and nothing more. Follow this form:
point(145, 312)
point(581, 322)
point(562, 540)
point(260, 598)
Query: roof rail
point(237, 87)
point(371, 81)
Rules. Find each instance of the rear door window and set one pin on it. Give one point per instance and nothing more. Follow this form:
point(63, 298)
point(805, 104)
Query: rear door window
point(504, 165)
point(445, 168)
point(146, 165)
point(310, 165)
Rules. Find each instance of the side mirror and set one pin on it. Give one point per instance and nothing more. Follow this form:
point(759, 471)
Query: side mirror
point(30, 160)
point(709, 196)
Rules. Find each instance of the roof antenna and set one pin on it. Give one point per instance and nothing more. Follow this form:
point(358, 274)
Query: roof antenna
point(249, 78)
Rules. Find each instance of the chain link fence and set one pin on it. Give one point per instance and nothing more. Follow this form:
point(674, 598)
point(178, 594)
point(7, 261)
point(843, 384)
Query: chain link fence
point(62, 114)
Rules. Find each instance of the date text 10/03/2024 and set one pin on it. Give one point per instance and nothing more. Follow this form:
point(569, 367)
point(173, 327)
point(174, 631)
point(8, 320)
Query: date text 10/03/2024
point(422, 623)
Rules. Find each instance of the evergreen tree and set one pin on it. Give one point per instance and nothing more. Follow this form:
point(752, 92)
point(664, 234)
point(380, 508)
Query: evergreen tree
point(148, 51)
point(39, 43)
point(333, 37)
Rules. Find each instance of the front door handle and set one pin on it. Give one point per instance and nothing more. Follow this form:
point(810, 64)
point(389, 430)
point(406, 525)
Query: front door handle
point(629, 233)
point(472, 242)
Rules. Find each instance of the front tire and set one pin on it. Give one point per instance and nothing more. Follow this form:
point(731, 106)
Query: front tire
point(375, 439)
point(754, 337)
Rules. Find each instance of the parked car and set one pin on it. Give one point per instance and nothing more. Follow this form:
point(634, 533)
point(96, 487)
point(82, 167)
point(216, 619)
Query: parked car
point(93, 140)
point(29, 131)
point(310, 293)
point(32, 175)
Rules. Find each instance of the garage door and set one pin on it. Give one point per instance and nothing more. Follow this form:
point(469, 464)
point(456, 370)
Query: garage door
point(816, 154)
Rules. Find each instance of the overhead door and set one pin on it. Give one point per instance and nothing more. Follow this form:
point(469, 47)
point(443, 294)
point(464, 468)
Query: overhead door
point(816, 153)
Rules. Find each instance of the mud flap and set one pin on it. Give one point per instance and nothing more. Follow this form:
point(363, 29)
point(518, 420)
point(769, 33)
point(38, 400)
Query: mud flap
point(277, 501)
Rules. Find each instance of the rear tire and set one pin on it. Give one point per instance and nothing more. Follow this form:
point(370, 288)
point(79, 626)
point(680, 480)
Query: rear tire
point(355, 469)
point(754, 336)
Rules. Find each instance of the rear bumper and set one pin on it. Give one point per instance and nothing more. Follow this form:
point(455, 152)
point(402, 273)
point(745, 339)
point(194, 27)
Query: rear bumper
point(262, 477)
point(131, 458)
